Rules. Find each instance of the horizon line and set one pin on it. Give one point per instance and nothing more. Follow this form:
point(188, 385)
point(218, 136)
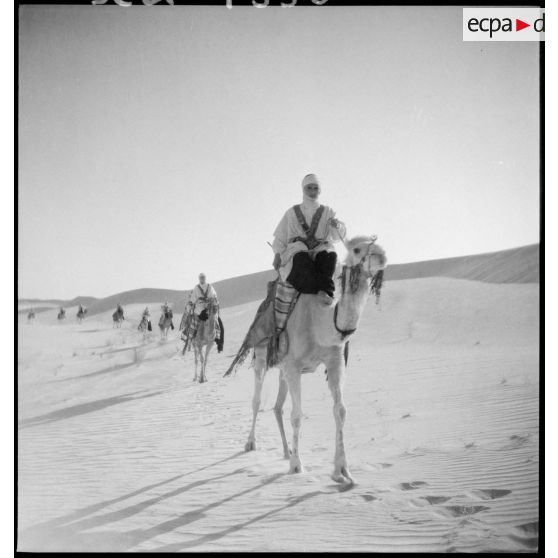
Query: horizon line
point(46, 299)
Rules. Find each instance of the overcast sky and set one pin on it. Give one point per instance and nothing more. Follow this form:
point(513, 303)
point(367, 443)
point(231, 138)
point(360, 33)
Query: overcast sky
point(159, 142)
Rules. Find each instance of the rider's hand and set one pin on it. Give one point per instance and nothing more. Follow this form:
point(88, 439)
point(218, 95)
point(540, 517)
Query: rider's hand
point(334, 222)
point(277, 262)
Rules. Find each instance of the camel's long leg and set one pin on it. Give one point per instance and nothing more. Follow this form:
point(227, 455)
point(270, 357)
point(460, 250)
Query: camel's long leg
point(202, 363)
point(294, 383)
point(335, 379)
point(259, 376)
point(278, 410)
point(196, 362)
point(208, 348)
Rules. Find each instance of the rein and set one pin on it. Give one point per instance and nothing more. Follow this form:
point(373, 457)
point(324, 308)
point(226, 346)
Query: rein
point(343, 332)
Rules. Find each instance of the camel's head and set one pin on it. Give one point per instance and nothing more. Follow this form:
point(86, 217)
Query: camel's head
point(363, 250)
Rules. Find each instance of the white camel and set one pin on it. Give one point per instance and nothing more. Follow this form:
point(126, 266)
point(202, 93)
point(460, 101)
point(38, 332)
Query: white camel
point(317, 333)
point(204, 340)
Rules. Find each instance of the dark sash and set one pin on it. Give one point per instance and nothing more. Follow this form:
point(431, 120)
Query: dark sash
point(204, 295)
point(310, 231)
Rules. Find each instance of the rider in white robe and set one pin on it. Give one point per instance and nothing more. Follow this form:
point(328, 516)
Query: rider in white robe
point(311, 274)
point(201, 294)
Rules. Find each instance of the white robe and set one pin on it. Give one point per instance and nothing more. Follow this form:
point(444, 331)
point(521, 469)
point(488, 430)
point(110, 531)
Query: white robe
point(289, 228)
point(196, 297)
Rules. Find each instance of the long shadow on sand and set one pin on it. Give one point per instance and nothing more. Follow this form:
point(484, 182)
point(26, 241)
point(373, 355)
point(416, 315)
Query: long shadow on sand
point(70, 532)
point(82, 408)
point(106, 370)
point(212, 537)
point(94, 508)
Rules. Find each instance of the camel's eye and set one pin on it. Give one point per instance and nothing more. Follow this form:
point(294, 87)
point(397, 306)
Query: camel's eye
point(356, 250)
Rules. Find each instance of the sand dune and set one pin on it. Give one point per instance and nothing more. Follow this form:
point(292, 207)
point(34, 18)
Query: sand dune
point(119, 450)
point(519, 265)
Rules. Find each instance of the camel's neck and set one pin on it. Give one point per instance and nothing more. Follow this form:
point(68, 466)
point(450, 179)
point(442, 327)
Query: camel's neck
point(352, 302)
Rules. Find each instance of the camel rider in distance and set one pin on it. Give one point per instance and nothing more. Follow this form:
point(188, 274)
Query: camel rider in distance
point(200, 296)
point(166, 309)
point(303, 245)
point(145, 316)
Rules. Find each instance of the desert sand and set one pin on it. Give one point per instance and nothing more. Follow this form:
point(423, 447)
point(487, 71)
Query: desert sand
point(119, 450)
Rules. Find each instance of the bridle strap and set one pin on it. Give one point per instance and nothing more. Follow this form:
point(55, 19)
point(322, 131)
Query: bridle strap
point(343, 332)
point(375, 286)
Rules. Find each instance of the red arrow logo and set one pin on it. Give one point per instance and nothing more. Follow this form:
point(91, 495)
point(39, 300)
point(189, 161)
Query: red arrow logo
point(519, 25)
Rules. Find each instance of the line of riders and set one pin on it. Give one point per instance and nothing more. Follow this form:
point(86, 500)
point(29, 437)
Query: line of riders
point(305, 261)
point(202, 301)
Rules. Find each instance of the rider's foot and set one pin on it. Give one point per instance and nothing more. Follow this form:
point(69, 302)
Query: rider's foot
point(325, 298)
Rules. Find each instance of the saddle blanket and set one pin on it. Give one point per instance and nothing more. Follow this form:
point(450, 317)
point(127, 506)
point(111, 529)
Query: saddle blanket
point(269, 325)
point(285, 299)
point(190, 326)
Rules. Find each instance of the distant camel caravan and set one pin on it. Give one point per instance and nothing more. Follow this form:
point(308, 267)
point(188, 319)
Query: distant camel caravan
point(82, 311)
point(61, 314)
point(316, 334)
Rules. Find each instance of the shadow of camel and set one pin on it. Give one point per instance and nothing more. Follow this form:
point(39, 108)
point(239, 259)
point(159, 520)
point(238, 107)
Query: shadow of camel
point(93, 508)
point(212, 537)
point(69, 533)
point(106, 370)
point(81, 409)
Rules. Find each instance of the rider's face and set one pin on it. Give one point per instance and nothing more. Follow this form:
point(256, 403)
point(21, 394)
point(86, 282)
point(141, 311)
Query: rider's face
point(202, 279)
point(312, 191)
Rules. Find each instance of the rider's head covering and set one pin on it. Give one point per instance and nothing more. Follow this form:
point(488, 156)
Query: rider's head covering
point(310, 180)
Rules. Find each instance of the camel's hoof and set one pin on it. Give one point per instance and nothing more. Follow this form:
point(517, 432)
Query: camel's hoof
point(203, 380)
point(296, 467)
point(287, 455)
point(250, 445)
point(343, 477)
